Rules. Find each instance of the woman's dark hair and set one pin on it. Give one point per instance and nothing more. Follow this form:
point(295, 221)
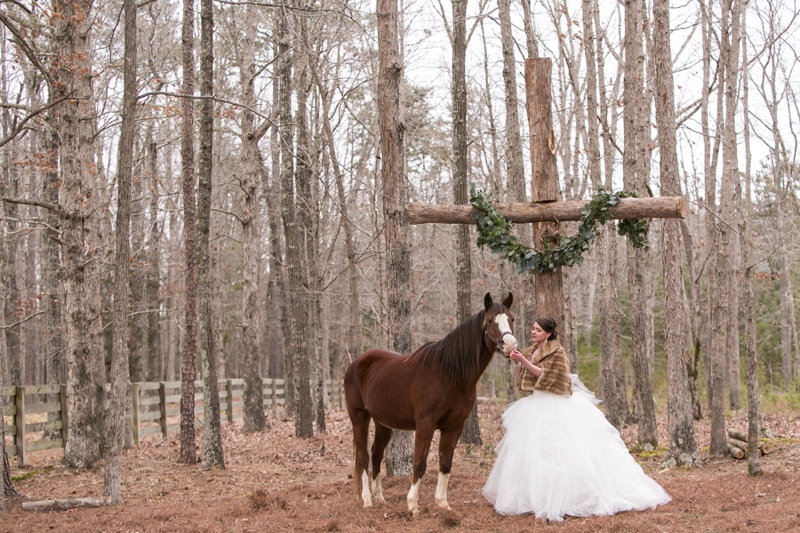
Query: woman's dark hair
point(548, 324)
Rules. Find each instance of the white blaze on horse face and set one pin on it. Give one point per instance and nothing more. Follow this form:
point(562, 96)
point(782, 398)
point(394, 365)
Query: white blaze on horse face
point(441, 491)
point(509, 342)
point(413, 498)
point(365, 495)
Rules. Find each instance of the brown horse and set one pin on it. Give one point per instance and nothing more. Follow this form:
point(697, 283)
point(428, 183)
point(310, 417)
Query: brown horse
point(433, 388)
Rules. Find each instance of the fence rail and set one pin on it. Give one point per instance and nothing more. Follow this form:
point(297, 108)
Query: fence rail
point(39, 416)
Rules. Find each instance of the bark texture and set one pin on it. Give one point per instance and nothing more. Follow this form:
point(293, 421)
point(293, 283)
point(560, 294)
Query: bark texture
point(119, 356)
point(520, 213)
point(748, 298)
point(212, 432)
point(79, 235)
point(472, 430)
point(254, 419)
point(549, 285)
point(303, 240)
point(399, 453)
point(682, 441)
point(187, 450)
point(634, 175)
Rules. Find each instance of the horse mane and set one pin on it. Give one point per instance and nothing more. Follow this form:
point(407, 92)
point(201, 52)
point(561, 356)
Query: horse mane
point(456, 354)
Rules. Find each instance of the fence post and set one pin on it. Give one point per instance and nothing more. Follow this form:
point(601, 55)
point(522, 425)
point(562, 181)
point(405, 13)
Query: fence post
point(162, 405)
point(64, 416)
point(274, 397)
point(135, 412)
point(229, 389)
point(19, 421)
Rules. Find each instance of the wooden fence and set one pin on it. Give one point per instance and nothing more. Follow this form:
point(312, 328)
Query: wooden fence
point(39, 413)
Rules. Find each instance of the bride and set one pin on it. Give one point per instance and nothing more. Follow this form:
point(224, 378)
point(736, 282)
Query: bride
point(559, 455)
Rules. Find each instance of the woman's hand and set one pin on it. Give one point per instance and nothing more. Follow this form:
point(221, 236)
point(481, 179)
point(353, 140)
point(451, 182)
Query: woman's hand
point(516, 356)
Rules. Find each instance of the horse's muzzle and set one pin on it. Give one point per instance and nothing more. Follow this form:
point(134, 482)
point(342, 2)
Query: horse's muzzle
point(506, 344)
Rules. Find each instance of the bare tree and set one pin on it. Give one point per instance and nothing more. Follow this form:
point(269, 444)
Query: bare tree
point(79, 234)
point(636, 111)
point(187, 452)
point(463, 265)
point(254, 419)
point(212, 433)
point(682, 442)
point(748, 298)
point(326, 95)
point(399, 453)
point(304, 240)
point(720, 290)
point(120, 376)
point(297, 270)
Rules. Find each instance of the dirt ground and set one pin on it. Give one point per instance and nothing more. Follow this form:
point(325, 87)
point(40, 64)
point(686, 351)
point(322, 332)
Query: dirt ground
point(276, 482)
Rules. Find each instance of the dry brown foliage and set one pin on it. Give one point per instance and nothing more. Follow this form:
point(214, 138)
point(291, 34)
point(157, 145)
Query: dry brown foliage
point(276, 482)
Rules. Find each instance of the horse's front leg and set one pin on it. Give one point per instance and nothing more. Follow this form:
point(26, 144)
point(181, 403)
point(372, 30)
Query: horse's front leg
point(422, 443)
point(447, 445)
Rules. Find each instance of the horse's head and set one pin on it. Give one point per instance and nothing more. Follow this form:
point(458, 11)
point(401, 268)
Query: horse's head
point(498, 324)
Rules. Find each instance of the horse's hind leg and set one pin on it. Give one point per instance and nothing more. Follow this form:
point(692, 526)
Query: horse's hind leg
point(360, 420)
point(447, 445)
point(422, 443)
point(383, 435)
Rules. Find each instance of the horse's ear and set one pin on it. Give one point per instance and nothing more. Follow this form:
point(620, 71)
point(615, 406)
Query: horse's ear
point(508, 300)
point(487, 301)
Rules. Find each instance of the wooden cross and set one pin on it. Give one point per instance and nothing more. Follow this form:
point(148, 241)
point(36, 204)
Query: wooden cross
point(545, 211)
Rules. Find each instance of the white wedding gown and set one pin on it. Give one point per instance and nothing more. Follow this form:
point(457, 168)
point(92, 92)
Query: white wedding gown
point(560, 456)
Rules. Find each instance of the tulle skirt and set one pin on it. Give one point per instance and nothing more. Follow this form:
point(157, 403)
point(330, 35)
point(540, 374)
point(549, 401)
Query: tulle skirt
point(560, 456)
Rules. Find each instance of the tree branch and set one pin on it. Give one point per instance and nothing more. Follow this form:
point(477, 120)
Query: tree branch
point(30, 53)
point(35, 203)
point(214, 98)
point(11, 136)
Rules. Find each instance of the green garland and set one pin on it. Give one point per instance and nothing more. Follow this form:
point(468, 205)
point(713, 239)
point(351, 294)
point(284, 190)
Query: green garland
point(494, 231)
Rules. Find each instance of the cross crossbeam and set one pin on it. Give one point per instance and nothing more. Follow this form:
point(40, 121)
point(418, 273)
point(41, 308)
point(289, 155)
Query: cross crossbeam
point(659, 207)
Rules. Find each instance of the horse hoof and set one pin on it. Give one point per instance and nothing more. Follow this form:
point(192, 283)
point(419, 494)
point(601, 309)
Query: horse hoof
point(443, 504)
point(367, 504)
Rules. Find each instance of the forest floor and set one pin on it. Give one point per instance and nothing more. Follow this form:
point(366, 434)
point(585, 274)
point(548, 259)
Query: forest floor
point(276, 482)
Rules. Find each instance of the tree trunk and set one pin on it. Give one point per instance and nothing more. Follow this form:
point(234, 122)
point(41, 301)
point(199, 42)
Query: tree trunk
point(6, 487)
point(120, 377)
point(79, 238)
point(212, 432)
point(748, 298)
point(12, 295)
point(290, 283)
point(530, 37)
point(299, 270)
point(720, 290)
point(187, 450)
point(549, 285)
point(682, 442)
point(399, 453)
point(152, 277)
point(515, 169)
point(50, 256)
point(732, 349)
point(254, 419)
point(472, 430)
point(298, 275)
point(356, 336)
point(635, 112)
